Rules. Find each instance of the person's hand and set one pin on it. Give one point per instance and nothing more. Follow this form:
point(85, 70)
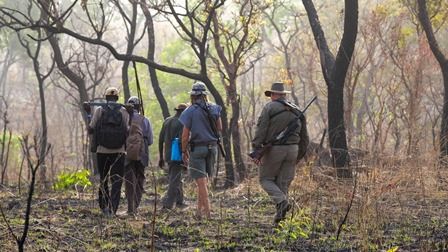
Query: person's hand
point(257, 161)
point(185, 157)
point(256, 155)
point(161, 163)
point(87, 107)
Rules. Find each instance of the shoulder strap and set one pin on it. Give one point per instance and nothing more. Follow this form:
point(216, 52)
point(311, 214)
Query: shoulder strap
point(277, 113)
point(294, 109)
point(141, 118)
point(210, 119)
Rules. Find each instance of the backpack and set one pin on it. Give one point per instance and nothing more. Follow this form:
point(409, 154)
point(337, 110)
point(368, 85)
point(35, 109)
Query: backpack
point(134, 142)
point(111, 130)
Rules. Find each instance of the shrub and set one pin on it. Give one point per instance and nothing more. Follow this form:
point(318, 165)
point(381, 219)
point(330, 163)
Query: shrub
point(73, 179)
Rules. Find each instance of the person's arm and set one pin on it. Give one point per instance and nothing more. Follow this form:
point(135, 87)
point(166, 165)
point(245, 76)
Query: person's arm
point(149, 134)
point(185, 138)
point(162, 140)
point(261, 129)
point(161, 143)
point(126, 118)
point(95, 117)
point(186, 120)
point(219, 124)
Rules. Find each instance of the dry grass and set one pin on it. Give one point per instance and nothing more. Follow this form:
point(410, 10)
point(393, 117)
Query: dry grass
point(397, 203)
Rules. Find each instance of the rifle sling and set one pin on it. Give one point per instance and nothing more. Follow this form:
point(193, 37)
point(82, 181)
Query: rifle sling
point(293, 110)
point(210, 120)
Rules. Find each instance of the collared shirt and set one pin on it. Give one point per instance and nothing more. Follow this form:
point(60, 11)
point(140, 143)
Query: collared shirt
point(171, 128)
point(273, 119)
point(96, 117)
point(196, 120)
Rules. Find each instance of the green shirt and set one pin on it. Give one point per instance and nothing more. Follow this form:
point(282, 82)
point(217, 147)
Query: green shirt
point(171, 128)
point(273, 119)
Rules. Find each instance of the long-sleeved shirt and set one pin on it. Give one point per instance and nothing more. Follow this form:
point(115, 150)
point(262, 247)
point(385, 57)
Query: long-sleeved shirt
point(147, 137)
point(273, 119)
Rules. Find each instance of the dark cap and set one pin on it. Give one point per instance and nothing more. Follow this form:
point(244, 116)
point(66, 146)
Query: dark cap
point(180, 107)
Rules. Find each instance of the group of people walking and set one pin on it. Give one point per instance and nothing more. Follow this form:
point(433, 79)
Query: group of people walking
point(189, 141)
point(121, 138)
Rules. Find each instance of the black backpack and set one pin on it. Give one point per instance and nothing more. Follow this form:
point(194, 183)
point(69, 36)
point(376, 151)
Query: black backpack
point(111, 128)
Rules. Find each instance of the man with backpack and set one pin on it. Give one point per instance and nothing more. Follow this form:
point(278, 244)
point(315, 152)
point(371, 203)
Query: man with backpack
point(170, 136)
point(282, 137)
point(137, 155)
point(202, 126)
point(109, 125)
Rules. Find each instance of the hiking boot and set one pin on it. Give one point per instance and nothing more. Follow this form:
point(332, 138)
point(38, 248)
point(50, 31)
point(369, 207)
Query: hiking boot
point(282, 208)
point(169, 208)
point(133, 214)
point(181, 205)
point(107, 212)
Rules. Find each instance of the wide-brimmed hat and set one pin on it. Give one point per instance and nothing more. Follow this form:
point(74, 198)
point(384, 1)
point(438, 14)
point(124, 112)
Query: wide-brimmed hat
point(180, 107)
point(198, 88)
point(111, 91)
point(278, 88)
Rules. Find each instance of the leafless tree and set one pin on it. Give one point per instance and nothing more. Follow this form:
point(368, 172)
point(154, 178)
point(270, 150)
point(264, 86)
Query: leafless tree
point(234, 40)
point(4, 154)
point(286, 31)
point(443, 62)
point(334, 71)
point(151, 56)
point(33, 158)
point(33, 48)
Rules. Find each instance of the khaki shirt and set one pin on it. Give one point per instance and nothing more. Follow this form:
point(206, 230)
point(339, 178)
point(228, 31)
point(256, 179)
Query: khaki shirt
point(272, 121)
point(96, 117)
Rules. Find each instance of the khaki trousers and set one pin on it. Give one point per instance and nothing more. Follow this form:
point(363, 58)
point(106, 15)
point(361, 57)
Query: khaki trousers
point(277, 171)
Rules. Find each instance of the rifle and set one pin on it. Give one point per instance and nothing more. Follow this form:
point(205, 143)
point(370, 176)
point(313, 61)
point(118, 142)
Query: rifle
point(88, 109)
point(285, 133)
point(214, 129)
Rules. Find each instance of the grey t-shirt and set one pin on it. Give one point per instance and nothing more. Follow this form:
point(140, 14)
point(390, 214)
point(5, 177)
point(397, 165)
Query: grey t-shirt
point(195, 119)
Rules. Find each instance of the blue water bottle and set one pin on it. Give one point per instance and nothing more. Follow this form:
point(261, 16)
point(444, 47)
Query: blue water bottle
point(175, 150)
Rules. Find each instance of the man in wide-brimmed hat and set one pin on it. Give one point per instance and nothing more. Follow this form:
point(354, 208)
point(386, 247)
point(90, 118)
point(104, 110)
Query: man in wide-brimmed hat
point(278, 163)
point(172, 129)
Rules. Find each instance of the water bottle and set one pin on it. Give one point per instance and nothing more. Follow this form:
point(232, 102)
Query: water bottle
point(176, 154)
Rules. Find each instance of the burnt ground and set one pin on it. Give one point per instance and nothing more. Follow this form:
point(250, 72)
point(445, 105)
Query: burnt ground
point(394, 208)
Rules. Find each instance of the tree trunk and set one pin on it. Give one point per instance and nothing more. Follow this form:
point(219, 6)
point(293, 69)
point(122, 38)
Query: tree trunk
point(3, 144)
point(338, 143)
point(290, 77)
point(129, 49)
point(335, 71)
point(7, 62)
point(444, 123)
point(44, 137)
point(152, 71)
point(125, 80)
point(443, 62)
point(226, 133)
point(235, 130)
